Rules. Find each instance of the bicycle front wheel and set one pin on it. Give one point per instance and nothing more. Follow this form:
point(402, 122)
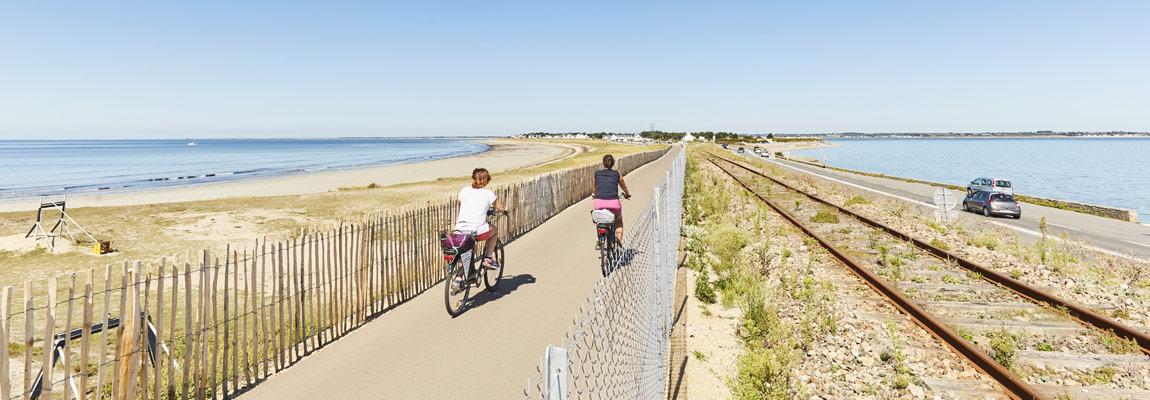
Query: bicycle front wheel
point(455, 286)
point(491, 278)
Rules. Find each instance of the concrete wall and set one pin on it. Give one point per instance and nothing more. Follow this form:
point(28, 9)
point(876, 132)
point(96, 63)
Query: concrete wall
point(1120, 214)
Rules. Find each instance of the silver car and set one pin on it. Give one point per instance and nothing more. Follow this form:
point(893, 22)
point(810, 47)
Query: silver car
point(990, 185)
point(992, 204)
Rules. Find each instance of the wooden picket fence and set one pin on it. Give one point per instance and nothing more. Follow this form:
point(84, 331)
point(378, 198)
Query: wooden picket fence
point(212, 327)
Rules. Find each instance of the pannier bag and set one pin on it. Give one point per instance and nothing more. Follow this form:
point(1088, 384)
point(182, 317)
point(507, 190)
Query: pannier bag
point(455, 243)
point(602, 216)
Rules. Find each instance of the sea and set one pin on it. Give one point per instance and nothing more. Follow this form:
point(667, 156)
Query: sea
point(30, 168)
point(1097, 170)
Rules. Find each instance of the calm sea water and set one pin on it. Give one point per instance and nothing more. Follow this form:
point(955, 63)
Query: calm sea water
point(51, 167)
point(1103, 171)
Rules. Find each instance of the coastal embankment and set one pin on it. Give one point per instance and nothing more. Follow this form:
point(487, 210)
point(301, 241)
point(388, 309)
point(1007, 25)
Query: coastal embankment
point(1121, 214)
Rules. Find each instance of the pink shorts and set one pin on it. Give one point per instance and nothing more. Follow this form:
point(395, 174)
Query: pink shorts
point(614, 205)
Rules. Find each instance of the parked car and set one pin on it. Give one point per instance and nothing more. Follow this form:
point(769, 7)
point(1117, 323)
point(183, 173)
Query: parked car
point(991, 203)
point(725, 146)
point(741, 150)
point(991, 185)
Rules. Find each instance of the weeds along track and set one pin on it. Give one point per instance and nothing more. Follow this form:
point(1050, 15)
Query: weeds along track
point(1034, 344)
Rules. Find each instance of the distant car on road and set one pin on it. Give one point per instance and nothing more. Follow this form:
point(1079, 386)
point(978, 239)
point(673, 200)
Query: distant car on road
point(725, 146)
point(991, 185)
point(991, 203)
point(741, 150)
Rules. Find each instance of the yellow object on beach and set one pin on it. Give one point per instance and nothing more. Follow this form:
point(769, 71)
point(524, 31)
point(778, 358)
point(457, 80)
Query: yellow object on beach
point(101, 247)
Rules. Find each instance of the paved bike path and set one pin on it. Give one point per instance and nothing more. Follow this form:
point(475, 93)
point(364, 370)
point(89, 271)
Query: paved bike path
point(417, 351)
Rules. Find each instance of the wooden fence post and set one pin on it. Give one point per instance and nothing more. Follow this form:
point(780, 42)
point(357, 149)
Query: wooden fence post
point(126, 348)
point(49, 339)
point(5, 333)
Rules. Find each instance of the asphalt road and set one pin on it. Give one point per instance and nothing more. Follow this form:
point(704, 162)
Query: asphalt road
point(417, 351)
point(1110, 235)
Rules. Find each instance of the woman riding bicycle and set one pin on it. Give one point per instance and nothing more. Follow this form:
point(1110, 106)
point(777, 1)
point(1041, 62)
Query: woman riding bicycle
point(607, 184)
point(474, 201)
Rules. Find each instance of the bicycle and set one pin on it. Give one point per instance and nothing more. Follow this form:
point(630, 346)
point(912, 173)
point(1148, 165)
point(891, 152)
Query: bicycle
point(607, 243)
point(459, 253)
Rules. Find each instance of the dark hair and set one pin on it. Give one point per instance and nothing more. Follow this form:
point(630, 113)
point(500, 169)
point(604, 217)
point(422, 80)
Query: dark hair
point(608, 161)
point(480, 177)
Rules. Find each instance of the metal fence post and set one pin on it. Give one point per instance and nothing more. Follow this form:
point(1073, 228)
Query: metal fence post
point(556, 373)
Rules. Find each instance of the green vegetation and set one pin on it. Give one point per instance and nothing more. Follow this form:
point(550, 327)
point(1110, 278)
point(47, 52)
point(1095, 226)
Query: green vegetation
point(1003, 347)
point(704, 291)
point(964, 333)
point(1118, 345)
point(1104, 375)
point(939, 244)
point(1044, 346)
point(825, 217)
point(984, 240)
point(699, 355)
point(937, 227)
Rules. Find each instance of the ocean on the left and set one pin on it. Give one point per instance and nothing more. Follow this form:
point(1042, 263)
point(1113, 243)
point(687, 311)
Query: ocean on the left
point(31, 168)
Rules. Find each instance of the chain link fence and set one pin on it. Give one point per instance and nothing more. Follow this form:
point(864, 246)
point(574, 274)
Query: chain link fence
point(618, 346)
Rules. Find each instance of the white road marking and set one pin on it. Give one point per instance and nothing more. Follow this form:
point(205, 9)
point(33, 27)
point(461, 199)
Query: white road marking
point(1063, 226)
point(932, 206)
point(1136, 243)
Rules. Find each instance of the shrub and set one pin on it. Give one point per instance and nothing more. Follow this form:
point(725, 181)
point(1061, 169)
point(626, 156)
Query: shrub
point(703, 289)
point(726, 241)
point(1003, 347)
point(824, 217)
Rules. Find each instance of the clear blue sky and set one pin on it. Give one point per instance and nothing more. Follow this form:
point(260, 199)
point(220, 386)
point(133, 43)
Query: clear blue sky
point(278, 68)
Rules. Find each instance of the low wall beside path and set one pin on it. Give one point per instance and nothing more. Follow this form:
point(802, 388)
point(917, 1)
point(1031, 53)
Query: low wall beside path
point(1121, 214)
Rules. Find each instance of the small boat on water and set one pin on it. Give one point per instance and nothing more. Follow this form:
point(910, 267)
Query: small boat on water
point(191, 142)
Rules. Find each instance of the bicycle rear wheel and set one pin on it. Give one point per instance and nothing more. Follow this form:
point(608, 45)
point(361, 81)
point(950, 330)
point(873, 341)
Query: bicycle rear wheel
point(455, 285)
point(605, 252)
point(491, 278)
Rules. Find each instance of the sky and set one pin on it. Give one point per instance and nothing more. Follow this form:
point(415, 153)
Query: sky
point(295, 69)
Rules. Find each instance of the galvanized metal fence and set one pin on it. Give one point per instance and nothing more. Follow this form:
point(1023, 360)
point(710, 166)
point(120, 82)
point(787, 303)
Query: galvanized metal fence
point(214, 325)
point(618, 346)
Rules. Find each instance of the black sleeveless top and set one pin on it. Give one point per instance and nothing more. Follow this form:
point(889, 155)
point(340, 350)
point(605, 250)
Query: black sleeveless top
point(607, 184)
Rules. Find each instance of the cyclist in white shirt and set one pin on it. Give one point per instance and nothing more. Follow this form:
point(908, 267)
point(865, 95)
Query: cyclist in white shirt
point(474, 201)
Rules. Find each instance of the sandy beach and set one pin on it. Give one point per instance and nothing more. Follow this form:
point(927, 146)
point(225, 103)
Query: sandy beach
point(503, 155)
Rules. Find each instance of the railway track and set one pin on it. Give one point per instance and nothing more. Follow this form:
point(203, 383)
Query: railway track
point(1034, 344)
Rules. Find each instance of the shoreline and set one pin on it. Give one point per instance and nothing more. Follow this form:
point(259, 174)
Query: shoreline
point(501, 154)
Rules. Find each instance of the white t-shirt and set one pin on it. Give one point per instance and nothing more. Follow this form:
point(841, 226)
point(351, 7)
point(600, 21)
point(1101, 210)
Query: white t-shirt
point(473, 205)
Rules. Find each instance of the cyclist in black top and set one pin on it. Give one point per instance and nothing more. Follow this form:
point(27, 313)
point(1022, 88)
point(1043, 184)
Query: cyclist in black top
point(607, 184)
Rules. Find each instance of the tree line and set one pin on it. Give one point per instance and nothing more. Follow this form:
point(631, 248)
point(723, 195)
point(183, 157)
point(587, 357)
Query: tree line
point(719, 137)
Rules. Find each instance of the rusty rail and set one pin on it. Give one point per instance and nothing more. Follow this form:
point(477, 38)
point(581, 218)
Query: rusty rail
point(1076, 311)
point(1015, 386)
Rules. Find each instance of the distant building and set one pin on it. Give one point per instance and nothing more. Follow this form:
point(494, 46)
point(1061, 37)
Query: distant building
point(1044, 132)
point(688, 138)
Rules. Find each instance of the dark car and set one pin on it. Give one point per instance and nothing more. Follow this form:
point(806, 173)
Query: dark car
point(992, 203)
point(724, 146)
point(741, 150)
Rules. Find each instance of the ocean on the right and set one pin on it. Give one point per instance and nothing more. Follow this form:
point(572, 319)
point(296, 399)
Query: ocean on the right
point(1104, 171)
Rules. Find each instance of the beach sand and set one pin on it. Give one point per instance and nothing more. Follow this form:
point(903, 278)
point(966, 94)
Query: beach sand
point(503, 155)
